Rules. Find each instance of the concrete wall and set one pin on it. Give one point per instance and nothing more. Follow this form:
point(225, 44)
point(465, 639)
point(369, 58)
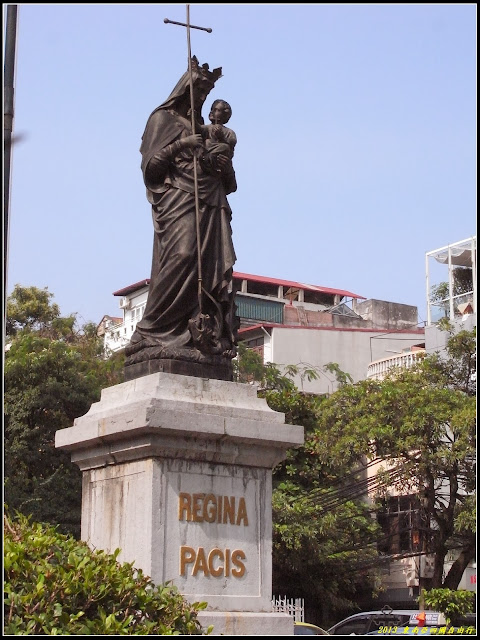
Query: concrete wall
point(388, 314)
point(373, 314)
point(351, 350)
point(436, 339)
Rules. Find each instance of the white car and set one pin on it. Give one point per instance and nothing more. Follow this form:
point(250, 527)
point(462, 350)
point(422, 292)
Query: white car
point(361, 624)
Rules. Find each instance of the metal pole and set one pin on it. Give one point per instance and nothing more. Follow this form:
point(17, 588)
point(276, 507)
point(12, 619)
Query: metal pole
point(8, 81)
point(195, 177)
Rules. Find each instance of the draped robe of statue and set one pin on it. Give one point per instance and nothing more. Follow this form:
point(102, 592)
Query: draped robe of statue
point(173, 323)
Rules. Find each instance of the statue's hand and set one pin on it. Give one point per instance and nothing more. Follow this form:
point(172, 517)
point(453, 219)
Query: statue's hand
point(217, 131)
point(192, 141)
point(223, 161)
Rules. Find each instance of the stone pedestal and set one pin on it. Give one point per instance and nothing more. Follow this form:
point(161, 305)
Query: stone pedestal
point(177, 473)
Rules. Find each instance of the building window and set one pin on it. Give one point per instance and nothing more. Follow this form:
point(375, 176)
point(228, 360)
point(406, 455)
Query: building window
point(401, 522)
point(137, 314)
point(258, 309)
point(254, 342)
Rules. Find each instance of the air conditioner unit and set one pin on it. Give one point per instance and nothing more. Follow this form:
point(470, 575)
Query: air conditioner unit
point(427, 566)
point(411, 578)
point(124, 303)
point(411, 572)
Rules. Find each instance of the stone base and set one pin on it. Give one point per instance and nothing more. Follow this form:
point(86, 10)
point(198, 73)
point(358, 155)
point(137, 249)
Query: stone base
point(223, 371)
point(177, 473)
point(227, 623)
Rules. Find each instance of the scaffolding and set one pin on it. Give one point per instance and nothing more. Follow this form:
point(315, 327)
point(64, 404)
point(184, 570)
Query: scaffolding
point(459, 255)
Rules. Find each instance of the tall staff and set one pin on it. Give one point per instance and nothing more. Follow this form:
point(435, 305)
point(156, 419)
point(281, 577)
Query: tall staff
point(192, 111)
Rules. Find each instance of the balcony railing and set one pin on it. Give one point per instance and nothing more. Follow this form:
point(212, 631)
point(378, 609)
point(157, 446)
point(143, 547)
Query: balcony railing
point(118, 336)
point(378, 370)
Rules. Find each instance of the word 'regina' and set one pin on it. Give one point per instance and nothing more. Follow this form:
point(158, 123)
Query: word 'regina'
point(201, 507)
point(217, 563)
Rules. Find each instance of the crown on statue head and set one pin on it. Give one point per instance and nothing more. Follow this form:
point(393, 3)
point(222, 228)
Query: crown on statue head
point(211, 76)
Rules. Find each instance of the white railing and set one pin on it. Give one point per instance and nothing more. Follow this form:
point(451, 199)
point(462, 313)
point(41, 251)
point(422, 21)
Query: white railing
point(117, 336)
point(293, 606)
point(379, 369)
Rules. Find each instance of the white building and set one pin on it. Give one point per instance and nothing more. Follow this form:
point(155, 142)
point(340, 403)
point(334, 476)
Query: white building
point(296, 323)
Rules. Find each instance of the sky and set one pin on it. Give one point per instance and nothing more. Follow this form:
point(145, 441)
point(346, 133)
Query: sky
point(356, 153)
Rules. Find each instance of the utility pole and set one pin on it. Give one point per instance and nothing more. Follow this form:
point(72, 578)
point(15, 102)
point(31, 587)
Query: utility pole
point(8, 82)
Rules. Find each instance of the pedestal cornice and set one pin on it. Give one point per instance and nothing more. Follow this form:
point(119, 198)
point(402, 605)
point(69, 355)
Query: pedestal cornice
point(173, 416)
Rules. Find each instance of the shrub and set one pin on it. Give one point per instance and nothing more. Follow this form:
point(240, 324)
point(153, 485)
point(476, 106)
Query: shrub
point(55, 585)
point(453, 603)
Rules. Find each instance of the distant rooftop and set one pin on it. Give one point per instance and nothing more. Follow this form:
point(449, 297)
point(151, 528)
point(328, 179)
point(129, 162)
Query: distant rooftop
point(297, 285)
point(132, 287)
point(263, 279)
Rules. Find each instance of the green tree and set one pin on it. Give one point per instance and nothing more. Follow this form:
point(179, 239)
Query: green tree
point(53, 373)
point(55, 585)
point(30, 308)
point(454, 604)
point(421, 423)
point(324, 538)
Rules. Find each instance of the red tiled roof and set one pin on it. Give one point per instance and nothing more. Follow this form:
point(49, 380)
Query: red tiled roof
point(271, 325)
point(297, 285)
point(247, 276)
point(131, 288)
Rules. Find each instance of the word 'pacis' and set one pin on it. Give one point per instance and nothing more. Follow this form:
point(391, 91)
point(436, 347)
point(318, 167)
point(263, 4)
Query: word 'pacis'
point(216, 563)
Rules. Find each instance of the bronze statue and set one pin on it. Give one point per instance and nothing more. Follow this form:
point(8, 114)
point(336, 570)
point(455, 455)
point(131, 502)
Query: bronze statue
point(189, 325)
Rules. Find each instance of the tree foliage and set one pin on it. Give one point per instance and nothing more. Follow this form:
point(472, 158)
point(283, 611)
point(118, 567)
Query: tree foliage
point(53, 373)
point(55, 585)
point(421, 424)
point(323, 535)
point(30, 308)
point(452, 603)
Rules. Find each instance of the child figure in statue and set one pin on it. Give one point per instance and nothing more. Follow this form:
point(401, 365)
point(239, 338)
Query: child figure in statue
point(219, 139)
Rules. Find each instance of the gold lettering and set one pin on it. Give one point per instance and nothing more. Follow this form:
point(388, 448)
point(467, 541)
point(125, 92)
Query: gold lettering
point(215, 572)
point(200, 563)
point(237, 557)
point(227, 562)
point(201, 507)
point(229, 509)
point(187, 555)
point(242, 513)
point(210, 514)
point(185, 505)
point(197, 506)
point(233, 562)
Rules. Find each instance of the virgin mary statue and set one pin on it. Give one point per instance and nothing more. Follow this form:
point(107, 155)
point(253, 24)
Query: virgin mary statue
point(189, 325)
